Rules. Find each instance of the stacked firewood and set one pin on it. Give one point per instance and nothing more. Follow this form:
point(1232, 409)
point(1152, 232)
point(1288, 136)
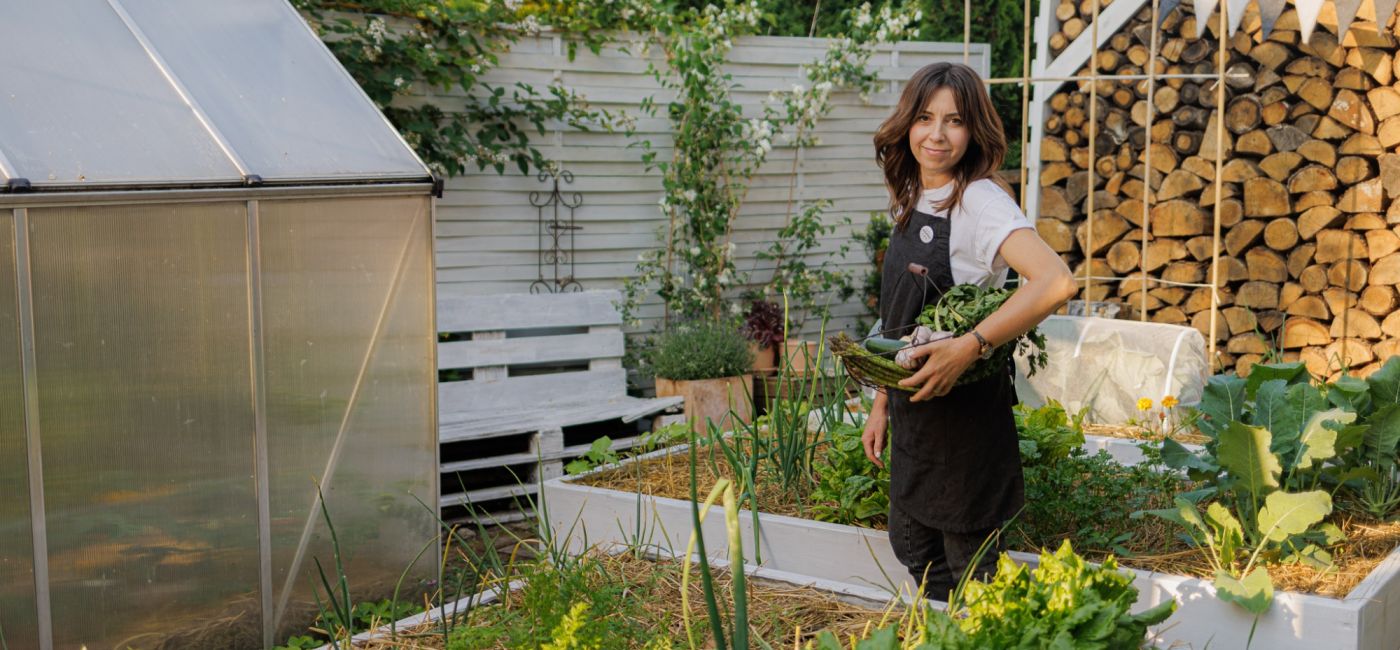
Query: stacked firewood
point(1072, 18)
point(1309, 255)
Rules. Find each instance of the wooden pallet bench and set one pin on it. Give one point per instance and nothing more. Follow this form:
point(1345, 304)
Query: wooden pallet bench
point(536, 365)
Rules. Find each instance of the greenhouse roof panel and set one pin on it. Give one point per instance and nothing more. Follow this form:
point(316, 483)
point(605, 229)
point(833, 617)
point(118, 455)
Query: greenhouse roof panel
point(130, 92)
point(81, 103)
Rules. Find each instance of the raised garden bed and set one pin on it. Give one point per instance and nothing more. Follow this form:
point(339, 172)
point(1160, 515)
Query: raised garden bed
point(781, 604)
point(859, 560)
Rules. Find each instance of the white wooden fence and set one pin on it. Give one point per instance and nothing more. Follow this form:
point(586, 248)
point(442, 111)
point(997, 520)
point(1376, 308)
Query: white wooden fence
point(487, 229)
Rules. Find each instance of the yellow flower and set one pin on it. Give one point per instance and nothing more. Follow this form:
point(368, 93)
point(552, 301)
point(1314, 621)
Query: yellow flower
point(1144, 404)
point(1169, 401)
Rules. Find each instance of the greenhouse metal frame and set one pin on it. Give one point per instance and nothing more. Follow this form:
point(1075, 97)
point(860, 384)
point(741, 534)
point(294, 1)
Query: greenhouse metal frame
point(217, 334)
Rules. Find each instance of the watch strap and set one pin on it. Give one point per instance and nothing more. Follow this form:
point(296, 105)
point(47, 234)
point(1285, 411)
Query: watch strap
point(985, 347)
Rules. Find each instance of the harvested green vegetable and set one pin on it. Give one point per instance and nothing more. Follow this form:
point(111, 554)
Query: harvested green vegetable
point(865, 367)
point(966, 305)
point(958, 311)
point(884, 346)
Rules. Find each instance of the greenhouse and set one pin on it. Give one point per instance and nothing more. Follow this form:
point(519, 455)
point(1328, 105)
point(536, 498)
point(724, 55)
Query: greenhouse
point(216, 307)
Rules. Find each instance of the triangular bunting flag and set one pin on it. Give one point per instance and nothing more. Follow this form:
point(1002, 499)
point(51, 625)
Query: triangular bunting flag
point(1167, 6)
point(1307, 16)
point(1270, 10)
point(1384, 8)
point(1346, 12)
point(1236, 14)
point(1204, 8)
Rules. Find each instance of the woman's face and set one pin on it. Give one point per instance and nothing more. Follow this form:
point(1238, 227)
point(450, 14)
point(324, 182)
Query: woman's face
point(938, 138)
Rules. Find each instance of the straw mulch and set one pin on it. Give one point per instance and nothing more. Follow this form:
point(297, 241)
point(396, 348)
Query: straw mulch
point(1368, 544)
point(778, 613)
point(1134, 432)
point(669, 476)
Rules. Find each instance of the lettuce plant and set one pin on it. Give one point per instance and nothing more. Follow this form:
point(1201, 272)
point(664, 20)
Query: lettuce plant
point(1064, 602)
point(1048, 434)
point(850, 489)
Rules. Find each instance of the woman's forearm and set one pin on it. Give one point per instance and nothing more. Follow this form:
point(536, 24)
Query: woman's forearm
point(1036, 299)
point(881, 402)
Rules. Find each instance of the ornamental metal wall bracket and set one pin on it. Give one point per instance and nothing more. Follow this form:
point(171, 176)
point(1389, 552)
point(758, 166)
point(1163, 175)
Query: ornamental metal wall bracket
point(551, 235)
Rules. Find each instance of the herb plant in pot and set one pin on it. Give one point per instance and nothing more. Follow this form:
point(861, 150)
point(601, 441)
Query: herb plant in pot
point(709, 364)
point(764, 329)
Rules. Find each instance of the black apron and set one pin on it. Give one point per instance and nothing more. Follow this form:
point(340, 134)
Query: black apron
point(955, 464)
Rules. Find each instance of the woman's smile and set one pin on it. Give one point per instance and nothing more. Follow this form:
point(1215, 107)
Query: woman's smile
point(938, 138)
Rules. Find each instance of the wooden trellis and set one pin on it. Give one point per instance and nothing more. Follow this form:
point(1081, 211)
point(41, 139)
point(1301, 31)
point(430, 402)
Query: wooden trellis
point(1069, 65)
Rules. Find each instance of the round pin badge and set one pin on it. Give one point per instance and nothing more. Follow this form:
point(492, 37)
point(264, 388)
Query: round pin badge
point(926, 234)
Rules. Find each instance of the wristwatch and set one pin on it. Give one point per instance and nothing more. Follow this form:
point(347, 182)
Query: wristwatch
point(985, 347)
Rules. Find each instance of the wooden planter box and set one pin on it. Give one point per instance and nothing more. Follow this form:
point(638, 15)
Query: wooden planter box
point(788, 387)
point(712, 399)
point(800, 357)
point(860, 559)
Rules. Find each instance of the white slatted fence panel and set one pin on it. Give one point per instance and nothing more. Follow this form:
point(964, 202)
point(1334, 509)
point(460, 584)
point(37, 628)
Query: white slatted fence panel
point(487, 230)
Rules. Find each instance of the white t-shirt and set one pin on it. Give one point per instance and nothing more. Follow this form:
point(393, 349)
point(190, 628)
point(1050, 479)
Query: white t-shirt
point(984, 218)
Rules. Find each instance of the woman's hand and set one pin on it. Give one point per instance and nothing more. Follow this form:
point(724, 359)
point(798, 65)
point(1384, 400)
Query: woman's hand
point(873, 439)
point(947, 360)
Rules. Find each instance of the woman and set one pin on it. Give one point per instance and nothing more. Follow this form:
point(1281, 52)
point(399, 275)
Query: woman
point(955, 475)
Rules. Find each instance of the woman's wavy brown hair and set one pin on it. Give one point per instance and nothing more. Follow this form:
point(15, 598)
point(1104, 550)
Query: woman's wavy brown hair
point(986, 147)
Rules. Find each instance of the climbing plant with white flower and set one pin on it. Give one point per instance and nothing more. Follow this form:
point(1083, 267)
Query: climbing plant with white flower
point(399, 49)
point(717, 149)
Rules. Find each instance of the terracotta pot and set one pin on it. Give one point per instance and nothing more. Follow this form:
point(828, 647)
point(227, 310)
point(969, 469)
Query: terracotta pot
point(765, 359)
point(724, 401)
point(799, 357)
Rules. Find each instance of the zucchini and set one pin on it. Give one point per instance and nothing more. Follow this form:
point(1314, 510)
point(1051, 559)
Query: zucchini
point(884, 346)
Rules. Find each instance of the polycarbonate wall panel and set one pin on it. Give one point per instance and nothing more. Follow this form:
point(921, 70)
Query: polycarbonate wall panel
point(81, 102)
point(141, 323)
point(273, 90)
point(18, 626)
point(350, 379)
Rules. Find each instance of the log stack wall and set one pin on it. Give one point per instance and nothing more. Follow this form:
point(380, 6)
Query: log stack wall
point(1309, 247)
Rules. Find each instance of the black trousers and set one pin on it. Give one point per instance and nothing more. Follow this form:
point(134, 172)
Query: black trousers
point(936, 559)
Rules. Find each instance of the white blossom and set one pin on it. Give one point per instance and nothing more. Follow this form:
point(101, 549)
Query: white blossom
point(377, 30)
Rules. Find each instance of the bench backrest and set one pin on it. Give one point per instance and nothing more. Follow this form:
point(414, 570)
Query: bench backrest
point(528, 350)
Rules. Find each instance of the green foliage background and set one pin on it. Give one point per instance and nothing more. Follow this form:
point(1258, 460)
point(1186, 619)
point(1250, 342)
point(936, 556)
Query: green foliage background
point(998, 22)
